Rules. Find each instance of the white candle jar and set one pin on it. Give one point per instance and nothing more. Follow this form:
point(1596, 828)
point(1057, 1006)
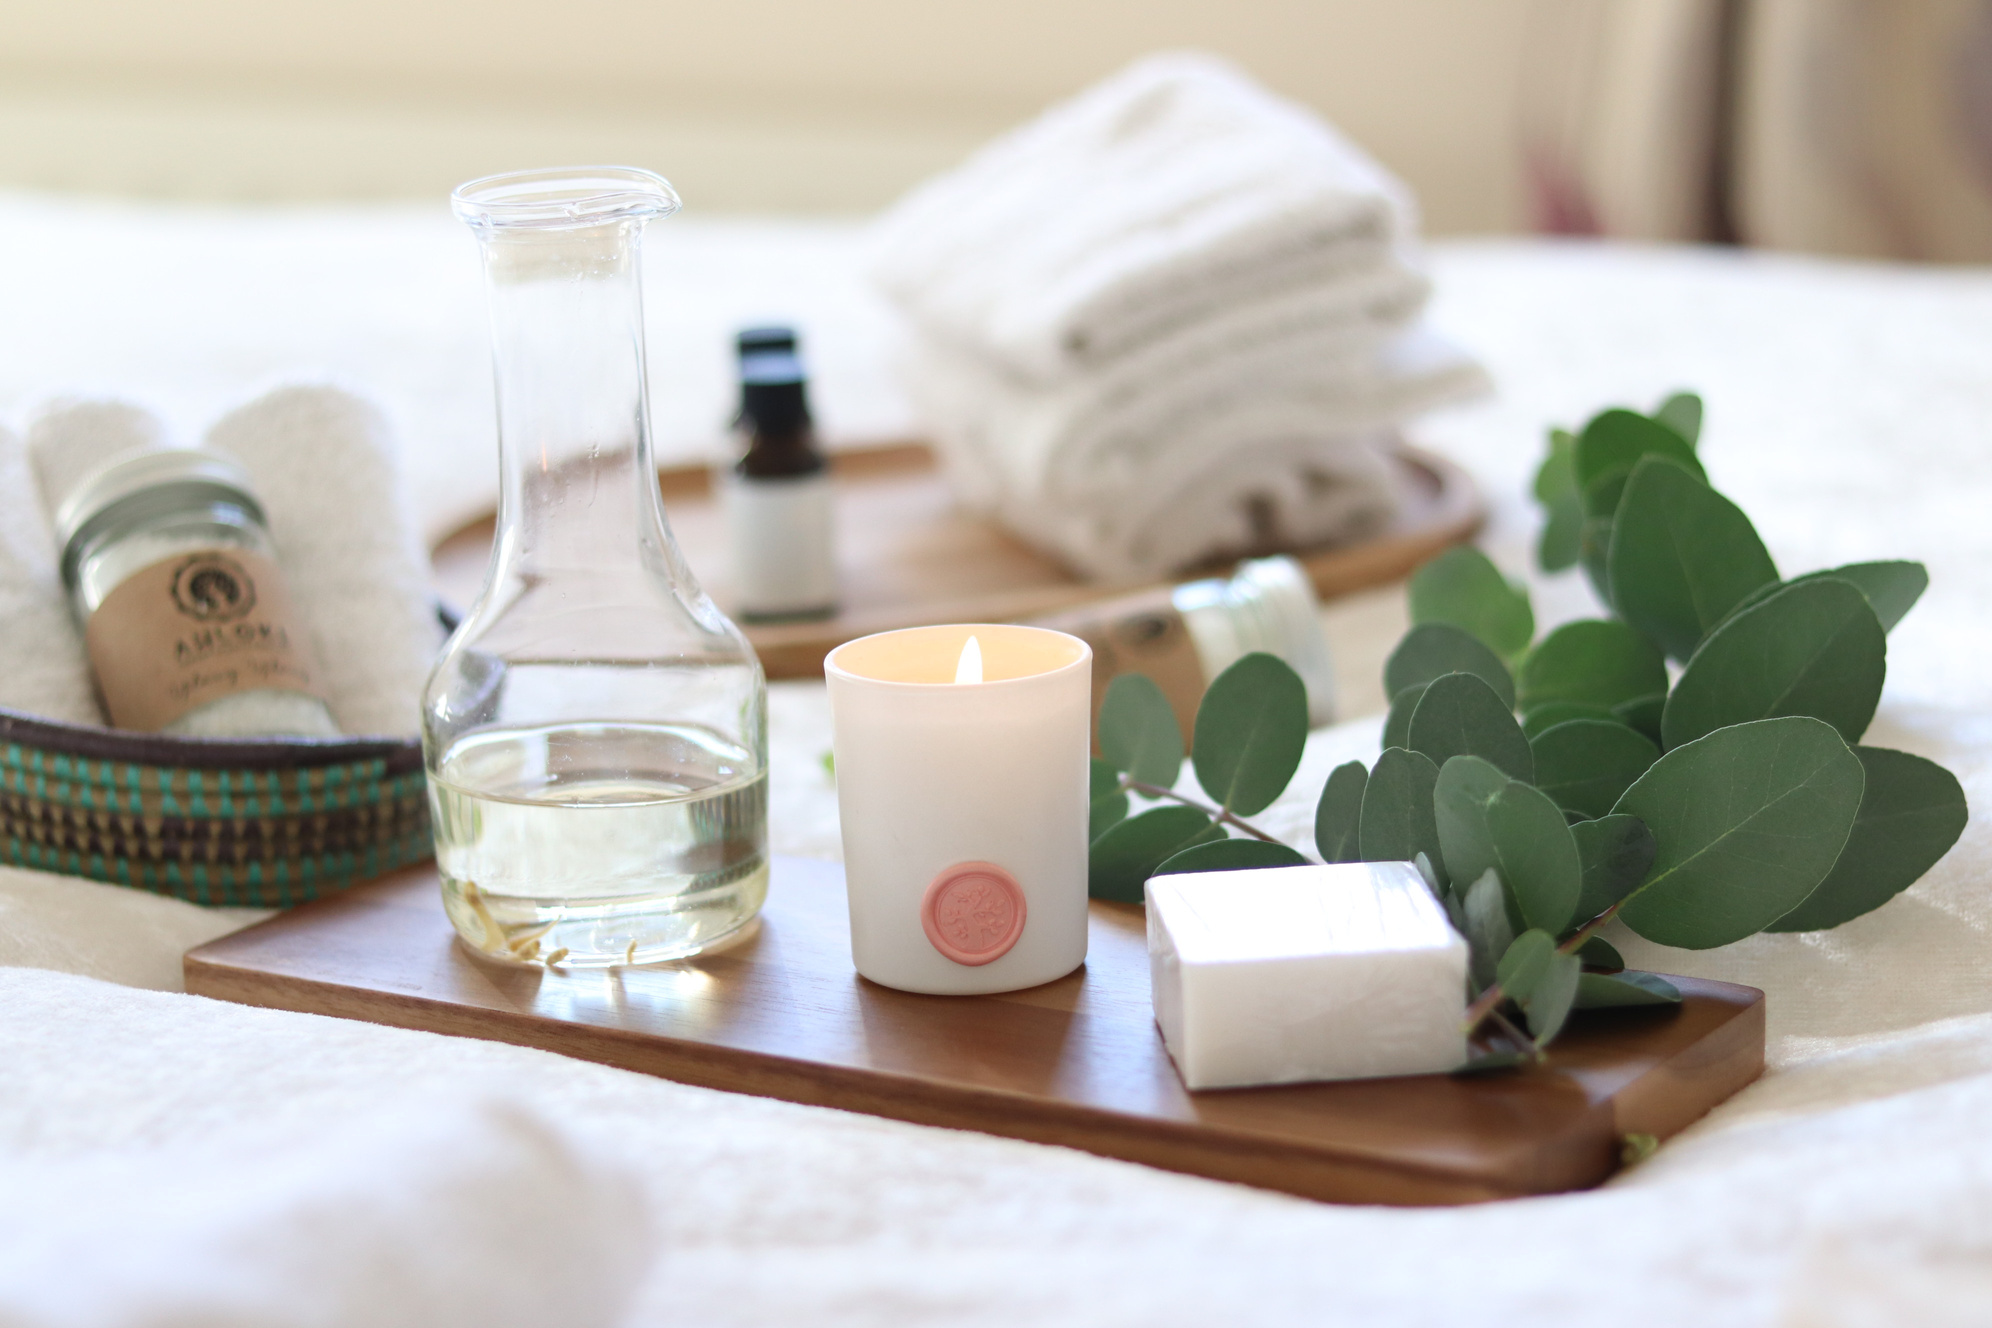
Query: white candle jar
point(963, 805)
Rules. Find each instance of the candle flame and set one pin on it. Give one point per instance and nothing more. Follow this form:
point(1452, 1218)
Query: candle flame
point(969, 668)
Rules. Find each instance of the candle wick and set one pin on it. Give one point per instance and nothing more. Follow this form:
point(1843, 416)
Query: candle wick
point(969, 668)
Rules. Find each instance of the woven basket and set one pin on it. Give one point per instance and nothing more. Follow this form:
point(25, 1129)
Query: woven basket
point(265, 822)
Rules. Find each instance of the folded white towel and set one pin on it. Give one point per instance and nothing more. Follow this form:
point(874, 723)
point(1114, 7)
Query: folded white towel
point(1284, 492)
point(474, 1214)
point(1172, 191)
point(43, 670)
point(323, 462)
point(1141, 471)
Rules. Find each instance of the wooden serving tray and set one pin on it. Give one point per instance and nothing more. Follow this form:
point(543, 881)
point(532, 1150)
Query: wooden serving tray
point(907, 556)
point(1076, 1062)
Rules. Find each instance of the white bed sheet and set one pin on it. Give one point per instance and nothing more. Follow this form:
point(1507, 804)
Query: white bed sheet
point(1848, 412)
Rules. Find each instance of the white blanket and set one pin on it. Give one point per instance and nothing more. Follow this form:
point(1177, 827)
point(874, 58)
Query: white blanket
point(1852, 1186)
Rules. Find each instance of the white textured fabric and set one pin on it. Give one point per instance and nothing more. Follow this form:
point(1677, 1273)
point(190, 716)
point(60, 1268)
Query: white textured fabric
point(326, 467)
point(43, 670)
point(415, 1211)
point(1852, 1186)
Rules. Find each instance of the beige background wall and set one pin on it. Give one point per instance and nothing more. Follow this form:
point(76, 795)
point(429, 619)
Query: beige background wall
point(783, 104)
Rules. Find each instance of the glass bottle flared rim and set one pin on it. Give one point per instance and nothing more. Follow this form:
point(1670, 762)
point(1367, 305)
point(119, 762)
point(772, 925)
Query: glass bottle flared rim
point(563, 198)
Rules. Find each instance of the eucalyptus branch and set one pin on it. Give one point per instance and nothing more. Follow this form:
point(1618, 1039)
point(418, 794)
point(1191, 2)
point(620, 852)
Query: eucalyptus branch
point(1215, 813)
point(1490, 1001)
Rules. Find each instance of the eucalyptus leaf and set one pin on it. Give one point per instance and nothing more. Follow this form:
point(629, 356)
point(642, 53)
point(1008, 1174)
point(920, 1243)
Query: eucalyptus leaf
point(1598, 953)
point(1606, 991)
point(1749, 820)
point(1617, 852)
point(1682, 556)
point(1594, 661)
point(1912, 811)
point(1586, 764)
point(1563, 505)
point(1230, 855)
point(1611, 448)
point(1397, 724)
point(1432, 650)
point(1123, 858)
point(1338, 817)
point(1460, 715)
point(1466, 787)
point(1682, 412)
point(1548, 715)
point(1892, 588)
point(1813, 648)
point(1138, 731)
point(1594, 546)
point(1463, 587)
point(1525, 963)
point(1488, 930)
point(1538, 858)
point(1397, 823)
point(1555, 993)
point(1643, 714)
point(1108, 800)
point(1250, 730)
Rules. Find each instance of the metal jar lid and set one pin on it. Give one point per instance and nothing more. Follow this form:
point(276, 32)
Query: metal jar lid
point(139, 484)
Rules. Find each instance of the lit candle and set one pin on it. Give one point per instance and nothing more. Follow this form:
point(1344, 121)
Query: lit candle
point(961, 786)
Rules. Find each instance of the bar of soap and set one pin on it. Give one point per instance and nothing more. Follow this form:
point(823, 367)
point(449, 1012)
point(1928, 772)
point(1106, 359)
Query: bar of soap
point(1284, 974)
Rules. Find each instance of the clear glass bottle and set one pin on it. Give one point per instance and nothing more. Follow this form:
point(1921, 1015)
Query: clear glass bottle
point(596, 730)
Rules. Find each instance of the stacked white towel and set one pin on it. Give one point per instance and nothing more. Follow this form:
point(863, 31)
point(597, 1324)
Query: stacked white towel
point(1171, 319)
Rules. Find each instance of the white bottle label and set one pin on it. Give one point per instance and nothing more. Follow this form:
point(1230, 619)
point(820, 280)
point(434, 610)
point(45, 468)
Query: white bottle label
point(780, 533)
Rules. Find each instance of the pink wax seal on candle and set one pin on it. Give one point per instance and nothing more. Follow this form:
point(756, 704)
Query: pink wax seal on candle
point(973, 912)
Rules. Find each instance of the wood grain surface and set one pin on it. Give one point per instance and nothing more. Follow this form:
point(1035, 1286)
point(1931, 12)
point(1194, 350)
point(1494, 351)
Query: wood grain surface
point(781, 1013)
point(907, 556)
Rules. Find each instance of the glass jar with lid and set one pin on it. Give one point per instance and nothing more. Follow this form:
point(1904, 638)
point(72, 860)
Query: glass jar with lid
point(190, 627)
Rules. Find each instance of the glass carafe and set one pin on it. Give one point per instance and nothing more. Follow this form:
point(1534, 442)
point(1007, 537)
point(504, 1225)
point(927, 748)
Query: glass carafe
point(595, 731)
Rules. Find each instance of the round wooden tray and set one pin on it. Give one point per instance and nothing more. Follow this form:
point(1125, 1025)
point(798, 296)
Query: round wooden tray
point(907, 556)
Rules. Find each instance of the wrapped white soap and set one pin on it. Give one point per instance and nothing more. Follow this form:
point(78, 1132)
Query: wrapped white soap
point(1284, 974)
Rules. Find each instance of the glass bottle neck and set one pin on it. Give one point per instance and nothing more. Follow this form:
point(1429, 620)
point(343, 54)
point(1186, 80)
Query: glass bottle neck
point(577, 489)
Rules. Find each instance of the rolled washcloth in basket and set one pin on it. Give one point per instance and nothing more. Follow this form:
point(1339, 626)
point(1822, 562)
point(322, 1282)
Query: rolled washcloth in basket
point(322, 462)
point(42, 667)
point(1169, 320)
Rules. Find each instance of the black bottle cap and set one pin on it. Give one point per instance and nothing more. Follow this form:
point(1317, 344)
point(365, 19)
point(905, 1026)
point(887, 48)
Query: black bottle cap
point(755, 340)
point(774, 394)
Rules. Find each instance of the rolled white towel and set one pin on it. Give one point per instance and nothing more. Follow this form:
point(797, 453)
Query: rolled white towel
point(71, 436)
point(323, 464)
point(473, 1214)
point(43, 669)
point(1176, 189)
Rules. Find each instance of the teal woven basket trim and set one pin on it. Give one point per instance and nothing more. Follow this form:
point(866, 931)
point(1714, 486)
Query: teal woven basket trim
point(196, 794)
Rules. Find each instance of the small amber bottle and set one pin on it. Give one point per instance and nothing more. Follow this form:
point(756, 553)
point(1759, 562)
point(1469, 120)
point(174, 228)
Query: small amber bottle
point(777, 495)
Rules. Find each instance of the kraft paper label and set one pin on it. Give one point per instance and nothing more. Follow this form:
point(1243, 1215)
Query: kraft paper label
point(192, 629)
point(1141, 633)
